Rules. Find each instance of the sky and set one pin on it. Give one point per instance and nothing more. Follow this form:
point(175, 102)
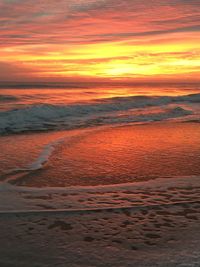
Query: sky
point(99, 40)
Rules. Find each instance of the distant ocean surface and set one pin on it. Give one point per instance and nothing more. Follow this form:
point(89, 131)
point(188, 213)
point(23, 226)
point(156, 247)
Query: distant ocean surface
point(42, 108)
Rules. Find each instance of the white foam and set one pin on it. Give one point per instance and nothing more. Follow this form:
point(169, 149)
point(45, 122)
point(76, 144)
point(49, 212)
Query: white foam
point(21, 198)
point(159, 183)
point(44, 155)
point(46, 117)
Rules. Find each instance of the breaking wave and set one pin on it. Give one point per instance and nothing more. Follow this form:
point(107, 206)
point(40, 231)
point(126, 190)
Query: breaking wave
point(8, 98)
point(43, 117)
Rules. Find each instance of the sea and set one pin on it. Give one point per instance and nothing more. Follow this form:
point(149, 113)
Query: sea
point(100, 174)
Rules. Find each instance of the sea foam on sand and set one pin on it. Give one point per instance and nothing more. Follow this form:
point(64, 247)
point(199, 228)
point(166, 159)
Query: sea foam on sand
point(150, 224)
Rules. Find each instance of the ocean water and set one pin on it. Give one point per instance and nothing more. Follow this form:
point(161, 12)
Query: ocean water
point(34, 122)
point(93, 170)
point(41, 109)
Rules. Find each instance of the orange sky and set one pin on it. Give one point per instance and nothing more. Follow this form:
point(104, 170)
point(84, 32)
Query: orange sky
point(99, 40)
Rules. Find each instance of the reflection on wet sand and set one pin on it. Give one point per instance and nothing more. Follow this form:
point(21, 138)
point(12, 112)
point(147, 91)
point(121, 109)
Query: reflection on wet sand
point(122, 154)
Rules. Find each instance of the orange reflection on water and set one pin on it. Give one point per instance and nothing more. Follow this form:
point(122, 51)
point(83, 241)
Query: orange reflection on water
point(89, 93)
point(124, 154)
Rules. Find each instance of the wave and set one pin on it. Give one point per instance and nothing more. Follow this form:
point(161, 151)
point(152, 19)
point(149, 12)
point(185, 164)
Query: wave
point(43, 117)
point(8, 98)
point(193, 98)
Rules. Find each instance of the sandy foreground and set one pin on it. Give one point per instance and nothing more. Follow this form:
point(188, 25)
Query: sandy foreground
point(87, 220)
point(112, 226)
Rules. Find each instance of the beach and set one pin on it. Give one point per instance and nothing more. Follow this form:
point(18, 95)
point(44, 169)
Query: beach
point(53, 218)
point(105, 182)
point(143, 224)
point(99, 133)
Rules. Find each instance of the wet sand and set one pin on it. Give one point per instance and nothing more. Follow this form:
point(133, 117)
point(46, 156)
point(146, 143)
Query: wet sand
point(153, 223)
point(154, 220)
point(121, 155)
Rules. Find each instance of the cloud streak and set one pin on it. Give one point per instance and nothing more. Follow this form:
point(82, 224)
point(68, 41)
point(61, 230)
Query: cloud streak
point(53, 30)
point(25, 22)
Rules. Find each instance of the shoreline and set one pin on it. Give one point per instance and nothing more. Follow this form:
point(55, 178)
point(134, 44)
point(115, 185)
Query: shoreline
point(145, 223)
point(161, 236)
point(117, 155)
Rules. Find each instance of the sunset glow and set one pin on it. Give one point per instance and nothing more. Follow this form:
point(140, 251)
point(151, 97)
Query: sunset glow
point(99, 39)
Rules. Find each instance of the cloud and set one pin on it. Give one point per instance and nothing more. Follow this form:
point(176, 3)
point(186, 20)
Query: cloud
point(73, 21)
point(14, 71)
point(79, 35)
